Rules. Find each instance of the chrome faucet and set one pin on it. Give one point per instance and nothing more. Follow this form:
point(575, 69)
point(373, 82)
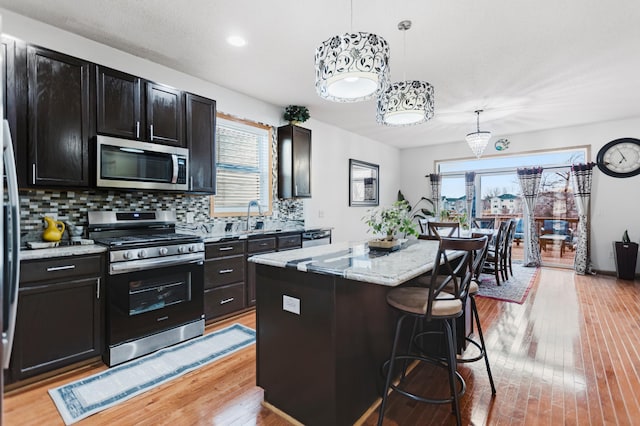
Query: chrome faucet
point(252, 203)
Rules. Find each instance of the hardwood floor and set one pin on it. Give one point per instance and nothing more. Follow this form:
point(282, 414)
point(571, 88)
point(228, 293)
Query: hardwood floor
point(568, 355)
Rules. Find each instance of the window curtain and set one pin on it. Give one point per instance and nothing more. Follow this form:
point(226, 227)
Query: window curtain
point(581, 175)
point(529, 184)
point(436, 181)
point(469, 189)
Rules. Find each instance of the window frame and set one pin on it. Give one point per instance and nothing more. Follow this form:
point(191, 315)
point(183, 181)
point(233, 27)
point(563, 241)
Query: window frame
point(269, 172)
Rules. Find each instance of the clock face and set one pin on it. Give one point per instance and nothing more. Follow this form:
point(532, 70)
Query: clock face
point(620, 158)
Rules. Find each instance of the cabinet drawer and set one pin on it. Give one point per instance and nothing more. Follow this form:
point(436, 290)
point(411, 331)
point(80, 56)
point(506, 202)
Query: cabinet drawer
point(223, 249)
point(65, 267)
point(289, 242)
point(223, 271)
point(223, 300)
point(260, 245)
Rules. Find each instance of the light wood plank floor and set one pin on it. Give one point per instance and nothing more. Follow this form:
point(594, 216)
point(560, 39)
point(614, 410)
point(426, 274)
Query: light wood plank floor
point(568, 355)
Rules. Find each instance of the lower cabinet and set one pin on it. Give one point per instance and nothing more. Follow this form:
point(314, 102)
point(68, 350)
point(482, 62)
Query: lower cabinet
point(60, 314)
point(224, 278)
point(229, 279)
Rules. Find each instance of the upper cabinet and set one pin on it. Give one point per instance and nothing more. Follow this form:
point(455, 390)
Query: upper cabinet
point(164, 114)
point(201, 127)
point(58, 118)
point(294, 162)
point(119, 100)
point(130, 107)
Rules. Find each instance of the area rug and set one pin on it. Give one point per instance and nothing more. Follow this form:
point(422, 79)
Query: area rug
point(515, 289)
point(85, 397)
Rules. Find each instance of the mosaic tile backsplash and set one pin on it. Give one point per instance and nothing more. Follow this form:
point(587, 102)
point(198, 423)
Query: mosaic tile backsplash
point(72, 207)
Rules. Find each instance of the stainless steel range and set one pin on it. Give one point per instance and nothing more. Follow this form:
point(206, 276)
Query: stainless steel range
point(155, 282)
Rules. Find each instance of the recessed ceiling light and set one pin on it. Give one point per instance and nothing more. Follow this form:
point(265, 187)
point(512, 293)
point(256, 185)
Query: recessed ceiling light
point(236, 41)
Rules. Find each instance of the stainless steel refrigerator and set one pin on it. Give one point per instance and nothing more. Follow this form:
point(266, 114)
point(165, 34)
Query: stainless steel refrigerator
point(10, 238)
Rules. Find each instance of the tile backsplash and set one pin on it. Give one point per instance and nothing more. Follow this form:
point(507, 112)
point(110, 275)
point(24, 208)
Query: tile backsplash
point(72, 207)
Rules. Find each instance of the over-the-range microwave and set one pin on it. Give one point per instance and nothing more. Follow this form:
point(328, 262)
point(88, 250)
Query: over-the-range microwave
point(131, 164)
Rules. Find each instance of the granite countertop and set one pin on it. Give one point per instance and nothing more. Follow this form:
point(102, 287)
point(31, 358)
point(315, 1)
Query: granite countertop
point(61, 251)
point(215, 235)
point(355, 261)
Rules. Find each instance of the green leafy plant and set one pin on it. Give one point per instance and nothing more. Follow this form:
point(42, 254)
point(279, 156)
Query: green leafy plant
point(417, 211)
point(390, 220)
point(296, 113)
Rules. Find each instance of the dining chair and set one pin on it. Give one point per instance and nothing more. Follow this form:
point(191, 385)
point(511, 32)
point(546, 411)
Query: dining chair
point(483, 222)
point(443, 229)
point(432, 304)
point(507, 249)
point(493, 262)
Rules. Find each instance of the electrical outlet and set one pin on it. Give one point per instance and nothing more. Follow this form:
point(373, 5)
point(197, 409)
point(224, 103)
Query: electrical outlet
point(320, 213)
point(190, 217)
point(610, 254)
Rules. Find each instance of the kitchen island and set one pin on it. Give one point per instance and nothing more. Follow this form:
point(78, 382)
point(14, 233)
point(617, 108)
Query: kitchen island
point(324, 327)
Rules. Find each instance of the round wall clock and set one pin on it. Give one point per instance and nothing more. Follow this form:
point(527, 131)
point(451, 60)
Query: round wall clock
point(620, 158)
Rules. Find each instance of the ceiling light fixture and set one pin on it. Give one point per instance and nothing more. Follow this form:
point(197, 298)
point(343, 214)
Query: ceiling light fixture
point(352, 67)
point(478, 140)
point(407, 102)
point(236, 41)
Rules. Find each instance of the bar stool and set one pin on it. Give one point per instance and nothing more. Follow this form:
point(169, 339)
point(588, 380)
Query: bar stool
point(433, 304)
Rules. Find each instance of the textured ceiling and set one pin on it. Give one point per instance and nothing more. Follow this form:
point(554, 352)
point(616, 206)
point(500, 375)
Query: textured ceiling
point(530, 65)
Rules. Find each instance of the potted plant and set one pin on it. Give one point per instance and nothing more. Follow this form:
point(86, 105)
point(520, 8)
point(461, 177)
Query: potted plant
point(626, 256)
point(295, 114)
point(388, 221)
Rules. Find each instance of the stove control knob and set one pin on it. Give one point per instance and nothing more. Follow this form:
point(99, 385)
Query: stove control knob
point(182, 249)
point(127, 255)
point(192, 248)
point(142, 254)
point(163, 251)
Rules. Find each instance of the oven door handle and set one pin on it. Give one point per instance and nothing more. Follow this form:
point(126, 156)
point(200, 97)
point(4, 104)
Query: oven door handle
point(141, 265)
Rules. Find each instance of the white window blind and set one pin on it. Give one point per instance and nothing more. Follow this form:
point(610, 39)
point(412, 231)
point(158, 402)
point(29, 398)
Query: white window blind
point(242, 163)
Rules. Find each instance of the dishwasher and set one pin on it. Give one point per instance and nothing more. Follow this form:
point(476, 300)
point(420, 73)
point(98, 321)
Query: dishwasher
point(316, 237)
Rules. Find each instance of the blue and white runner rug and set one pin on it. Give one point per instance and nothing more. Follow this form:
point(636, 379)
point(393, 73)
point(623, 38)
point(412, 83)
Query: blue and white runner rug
point(82, 398)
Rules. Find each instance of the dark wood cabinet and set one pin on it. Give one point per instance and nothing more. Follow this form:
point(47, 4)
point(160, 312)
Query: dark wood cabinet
point(294, 162)
point(58, 118)
point(224, 278)
point(119, 104)
point(201, 129)
point(60, 318)
point(132, 108)
point(164, 115)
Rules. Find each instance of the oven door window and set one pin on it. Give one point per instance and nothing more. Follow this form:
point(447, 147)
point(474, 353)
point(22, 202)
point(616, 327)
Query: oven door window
point(157, 293)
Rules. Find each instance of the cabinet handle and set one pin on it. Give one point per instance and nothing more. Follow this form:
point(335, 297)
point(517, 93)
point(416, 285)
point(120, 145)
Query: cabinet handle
point(98, 289)
point(225, 248)
point(151, 131)
point(60, 268)
point(137, 129)
point(295, 191)
point(33, 173)
point(191, 183)
point(225, 271)
point(264, 244)
point(162, 319)
point(222, 302)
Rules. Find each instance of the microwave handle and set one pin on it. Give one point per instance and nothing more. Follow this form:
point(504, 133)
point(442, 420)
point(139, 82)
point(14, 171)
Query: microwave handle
point(174, 159)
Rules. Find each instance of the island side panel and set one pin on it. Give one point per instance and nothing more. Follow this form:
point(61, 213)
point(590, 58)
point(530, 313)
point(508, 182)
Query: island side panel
point(295, 352)
point(365, 325)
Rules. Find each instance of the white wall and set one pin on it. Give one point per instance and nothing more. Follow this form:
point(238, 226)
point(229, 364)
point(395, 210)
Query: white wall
point(615, 203)
point(331, 150)
point(331, 146)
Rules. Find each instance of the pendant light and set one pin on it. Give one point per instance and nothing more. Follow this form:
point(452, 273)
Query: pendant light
point(478, 140)
point(352, 67)
point(407, 102)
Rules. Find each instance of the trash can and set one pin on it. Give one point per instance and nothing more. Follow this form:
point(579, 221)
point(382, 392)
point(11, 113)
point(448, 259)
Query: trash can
point(626, 255)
